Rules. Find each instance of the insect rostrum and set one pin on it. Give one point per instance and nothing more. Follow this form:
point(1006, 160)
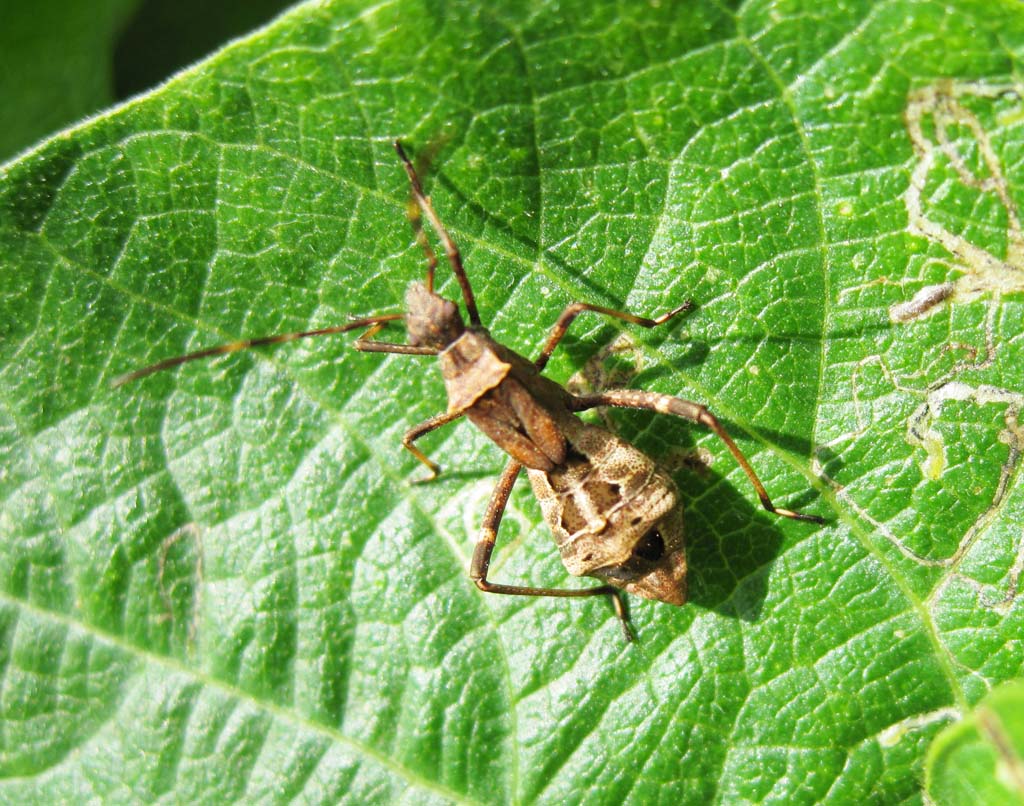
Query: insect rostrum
point(614, 513)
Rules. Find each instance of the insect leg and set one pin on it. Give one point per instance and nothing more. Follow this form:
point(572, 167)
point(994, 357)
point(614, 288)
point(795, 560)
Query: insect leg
point(695, 412)
point(576, 308)
point(418, 431)
point(485, 547)
point(450, 249)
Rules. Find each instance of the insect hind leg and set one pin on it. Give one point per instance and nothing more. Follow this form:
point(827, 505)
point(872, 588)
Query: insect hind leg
point(485, 547)
point(695, 412)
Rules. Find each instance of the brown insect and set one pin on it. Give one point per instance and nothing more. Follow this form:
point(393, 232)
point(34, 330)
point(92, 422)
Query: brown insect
point(615, 514)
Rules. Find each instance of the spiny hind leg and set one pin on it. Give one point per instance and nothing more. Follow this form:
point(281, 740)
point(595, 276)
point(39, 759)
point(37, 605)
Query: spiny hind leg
point(695, 412)
point(485, 547)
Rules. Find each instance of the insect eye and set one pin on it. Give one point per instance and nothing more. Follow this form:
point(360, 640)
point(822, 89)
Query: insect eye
point(651, 546)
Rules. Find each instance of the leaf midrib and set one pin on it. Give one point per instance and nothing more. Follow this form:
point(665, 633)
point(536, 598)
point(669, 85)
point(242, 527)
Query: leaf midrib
point(942, 655)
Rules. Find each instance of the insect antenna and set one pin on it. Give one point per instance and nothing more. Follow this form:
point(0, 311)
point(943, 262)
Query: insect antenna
point(373, 323)
point(412, 212)
point(451, 250)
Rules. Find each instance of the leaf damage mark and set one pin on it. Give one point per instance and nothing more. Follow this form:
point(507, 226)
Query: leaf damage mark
point(949, 138)
point(922, 434)
point(892, 735)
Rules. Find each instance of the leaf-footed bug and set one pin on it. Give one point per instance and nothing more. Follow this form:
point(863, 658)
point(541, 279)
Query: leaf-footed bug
point(615, 514)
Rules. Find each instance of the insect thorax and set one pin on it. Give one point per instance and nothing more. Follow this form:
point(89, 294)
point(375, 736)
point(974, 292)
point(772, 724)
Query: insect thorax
point(471, 368)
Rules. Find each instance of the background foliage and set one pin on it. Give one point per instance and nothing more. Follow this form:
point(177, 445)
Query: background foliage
point(63, 59)
point(218, 583)
point(978, 759)
point(54, 57)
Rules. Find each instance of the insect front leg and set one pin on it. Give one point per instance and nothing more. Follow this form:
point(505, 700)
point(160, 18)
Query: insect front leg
point(485, 547)
point(418, 431)
point(576, 308)
point(695, 412)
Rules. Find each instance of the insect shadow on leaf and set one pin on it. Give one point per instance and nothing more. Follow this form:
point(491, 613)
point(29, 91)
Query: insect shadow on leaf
point(614, 512)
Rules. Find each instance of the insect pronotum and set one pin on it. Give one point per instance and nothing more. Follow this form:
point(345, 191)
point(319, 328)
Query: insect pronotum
point(614, 513)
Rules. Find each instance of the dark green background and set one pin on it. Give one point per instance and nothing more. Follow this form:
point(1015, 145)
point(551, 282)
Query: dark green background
point(61, 60)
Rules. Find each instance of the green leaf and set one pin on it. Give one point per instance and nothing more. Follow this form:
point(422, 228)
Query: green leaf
point(981, 759)
point(218, 582)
